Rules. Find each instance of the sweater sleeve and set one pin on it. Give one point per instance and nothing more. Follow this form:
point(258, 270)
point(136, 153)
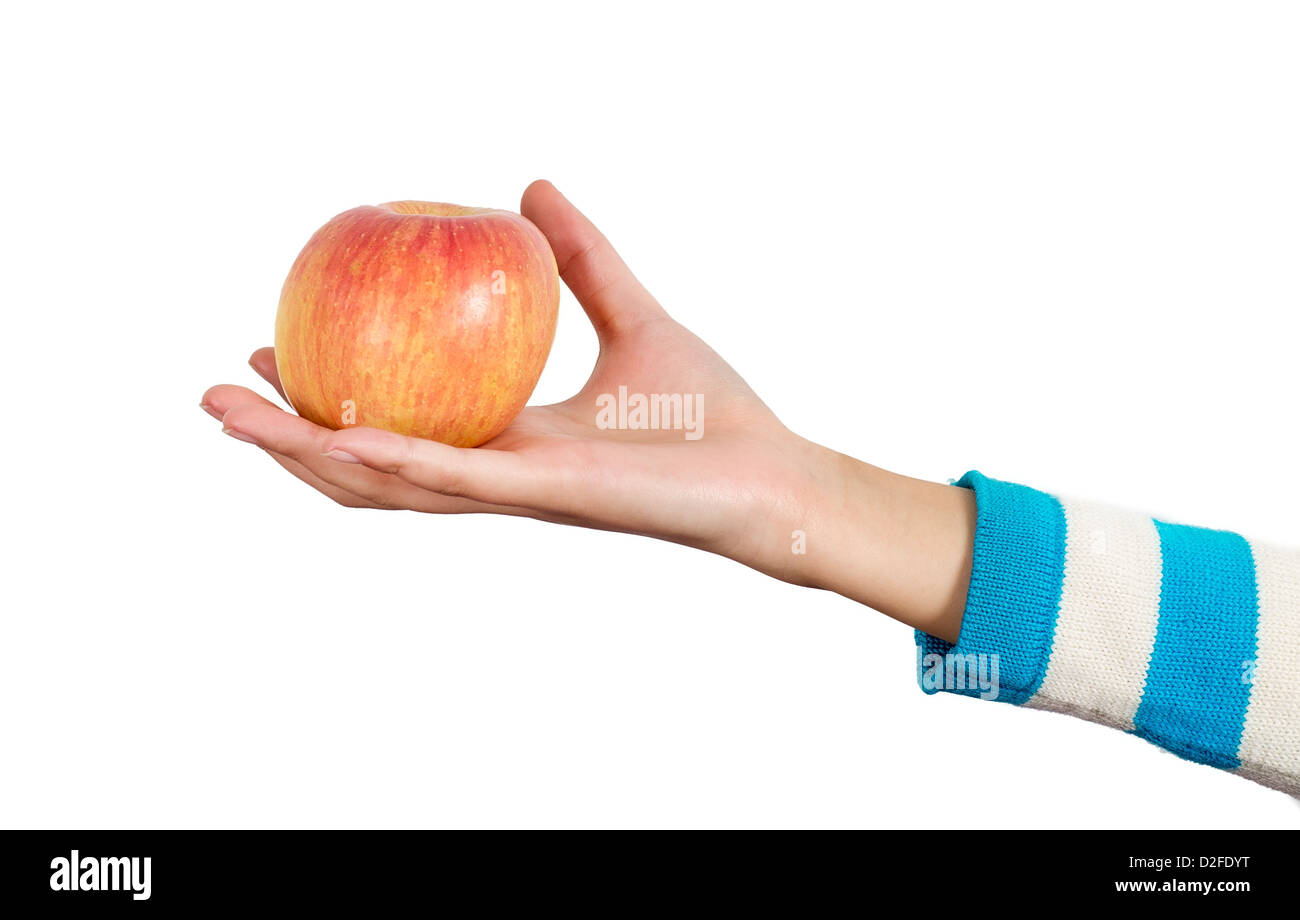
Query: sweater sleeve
point(1187, 637)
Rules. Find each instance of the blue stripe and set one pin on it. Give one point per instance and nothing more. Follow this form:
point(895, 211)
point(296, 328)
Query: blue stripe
point(1017, 568)
point(1195, 700)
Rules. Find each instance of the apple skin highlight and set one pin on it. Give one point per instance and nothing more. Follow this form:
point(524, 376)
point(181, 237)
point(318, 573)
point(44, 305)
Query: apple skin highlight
point(426, 319)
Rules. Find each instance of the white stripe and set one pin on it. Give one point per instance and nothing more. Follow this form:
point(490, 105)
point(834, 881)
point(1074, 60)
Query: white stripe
point(1106, 627)
point(1270, 740)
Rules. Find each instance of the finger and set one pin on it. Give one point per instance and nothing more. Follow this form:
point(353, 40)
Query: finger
point(328, 489)
point(263, 361)
point(496, 477)
point(219, 400)
point(289, 435)
point(609, 292)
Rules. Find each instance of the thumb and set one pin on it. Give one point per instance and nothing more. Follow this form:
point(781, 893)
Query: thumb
point(614, 300)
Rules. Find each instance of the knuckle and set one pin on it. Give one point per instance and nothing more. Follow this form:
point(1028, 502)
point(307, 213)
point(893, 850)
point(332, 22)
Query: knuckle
point(453, 484)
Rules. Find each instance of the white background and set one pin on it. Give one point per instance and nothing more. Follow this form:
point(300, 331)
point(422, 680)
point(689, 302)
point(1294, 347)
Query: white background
point(1054, 242)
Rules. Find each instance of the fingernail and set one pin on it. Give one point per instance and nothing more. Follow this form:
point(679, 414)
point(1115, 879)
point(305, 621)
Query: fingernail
point(342, 456)
point(211, 411)
point(238, 435)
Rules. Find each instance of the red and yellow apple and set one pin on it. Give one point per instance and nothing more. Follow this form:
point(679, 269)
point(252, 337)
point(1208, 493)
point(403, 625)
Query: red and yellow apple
point(427, 319)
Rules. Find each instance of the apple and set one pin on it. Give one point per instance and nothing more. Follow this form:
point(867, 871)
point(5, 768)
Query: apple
point(427, 319)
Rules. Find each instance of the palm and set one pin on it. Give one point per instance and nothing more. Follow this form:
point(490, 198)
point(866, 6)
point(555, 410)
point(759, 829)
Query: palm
point(555, 462)
point(660, 356)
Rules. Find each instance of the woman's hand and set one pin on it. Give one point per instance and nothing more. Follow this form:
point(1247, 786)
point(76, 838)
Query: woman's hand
point(741, 485)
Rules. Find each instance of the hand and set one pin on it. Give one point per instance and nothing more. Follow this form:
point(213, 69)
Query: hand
point(742, 489)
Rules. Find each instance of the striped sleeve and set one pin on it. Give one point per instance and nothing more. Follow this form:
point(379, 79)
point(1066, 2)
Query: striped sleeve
point(1187, 637)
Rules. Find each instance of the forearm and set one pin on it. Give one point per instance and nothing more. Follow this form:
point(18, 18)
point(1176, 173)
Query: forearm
point(1184, 636)
point(901, 546)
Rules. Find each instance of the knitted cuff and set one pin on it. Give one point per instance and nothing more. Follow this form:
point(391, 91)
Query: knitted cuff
point(1011, 606)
